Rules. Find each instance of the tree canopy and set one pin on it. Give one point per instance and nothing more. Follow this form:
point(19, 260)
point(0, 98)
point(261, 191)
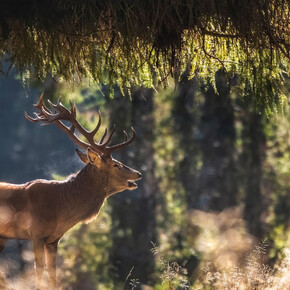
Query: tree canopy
point(144, 43)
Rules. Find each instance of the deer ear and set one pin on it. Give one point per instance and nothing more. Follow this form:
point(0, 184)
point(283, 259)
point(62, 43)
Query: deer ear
point(94, 157)
point(83, 156)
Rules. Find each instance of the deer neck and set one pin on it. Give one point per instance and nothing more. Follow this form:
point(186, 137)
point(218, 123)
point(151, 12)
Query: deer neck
point(86, 193)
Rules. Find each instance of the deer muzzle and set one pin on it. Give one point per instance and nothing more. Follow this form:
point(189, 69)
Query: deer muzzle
point(131, 183)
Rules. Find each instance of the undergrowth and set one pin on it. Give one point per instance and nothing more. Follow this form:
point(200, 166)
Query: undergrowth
point(254, 273)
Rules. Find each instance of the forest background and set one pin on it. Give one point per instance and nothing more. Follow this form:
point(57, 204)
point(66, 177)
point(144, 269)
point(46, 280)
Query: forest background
point(215, 182)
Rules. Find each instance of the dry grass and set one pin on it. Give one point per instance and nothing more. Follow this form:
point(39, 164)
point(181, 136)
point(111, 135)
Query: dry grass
point(254, 275)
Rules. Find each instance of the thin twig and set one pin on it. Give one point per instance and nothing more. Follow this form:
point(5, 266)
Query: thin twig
point(216, 58)
point(130, 273)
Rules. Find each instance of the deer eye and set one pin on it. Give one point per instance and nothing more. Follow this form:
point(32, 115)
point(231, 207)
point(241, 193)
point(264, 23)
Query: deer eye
point(116, 165)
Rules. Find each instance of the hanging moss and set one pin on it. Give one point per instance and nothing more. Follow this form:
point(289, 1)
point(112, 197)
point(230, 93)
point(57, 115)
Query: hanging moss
point(137, 41)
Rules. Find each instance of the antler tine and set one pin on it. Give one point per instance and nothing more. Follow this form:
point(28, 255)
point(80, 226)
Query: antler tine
point(65, 114)
point(93, 132)
point(109, 138)
point(125, 135)
point(38, 116)
point(103, 137)
point(70, 116)
point(73, 108)
point(34, 120)
point(40, 103)
point(46, 116)
point(62, 111)
point(122, 145)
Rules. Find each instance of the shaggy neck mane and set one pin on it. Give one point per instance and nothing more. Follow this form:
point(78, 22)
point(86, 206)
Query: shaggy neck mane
point(84, 193)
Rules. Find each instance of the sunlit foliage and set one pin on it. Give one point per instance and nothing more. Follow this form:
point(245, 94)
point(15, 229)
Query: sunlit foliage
point(133, 43)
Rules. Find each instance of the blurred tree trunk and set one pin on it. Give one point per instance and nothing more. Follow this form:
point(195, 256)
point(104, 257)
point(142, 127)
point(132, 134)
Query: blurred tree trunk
point(215, 187)
point(184, 119)
point(133, 213)
point(252, 159)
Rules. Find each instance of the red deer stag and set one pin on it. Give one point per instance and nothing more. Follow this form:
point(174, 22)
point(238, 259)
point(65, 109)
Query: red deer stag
point(42, 210)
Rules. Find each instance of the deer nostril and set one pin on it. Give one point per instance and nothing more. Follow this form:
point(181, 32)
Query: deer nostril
point(139, 174)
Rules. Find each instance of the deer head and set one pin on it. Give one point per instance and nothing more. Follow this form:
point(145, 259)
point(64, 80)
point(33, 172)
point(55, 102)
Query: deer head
point(120, 176)
point(99, 154)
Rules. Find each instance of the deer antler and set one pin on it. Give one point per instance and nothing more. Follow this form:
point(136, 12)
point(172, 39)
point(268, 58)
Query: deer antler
point(46, 116)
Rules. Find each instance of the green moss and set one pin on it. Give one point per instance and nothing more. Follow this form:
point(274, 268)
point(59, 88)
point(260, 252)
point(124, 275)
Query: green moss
point(141, 43)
